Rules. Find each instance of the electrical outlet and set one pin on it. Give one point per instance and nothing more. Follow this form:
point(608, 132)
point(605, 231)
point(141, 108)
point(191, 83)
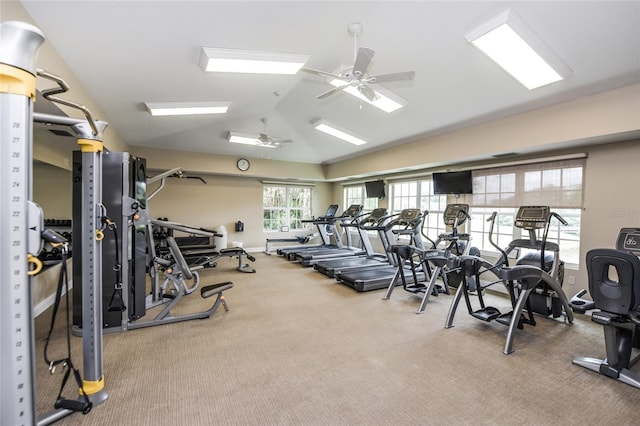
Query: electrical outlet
point(571, 279)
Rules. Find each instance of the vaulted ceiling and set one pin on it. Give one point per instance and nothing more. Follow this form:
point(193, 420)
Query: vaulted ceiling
point(126, 53)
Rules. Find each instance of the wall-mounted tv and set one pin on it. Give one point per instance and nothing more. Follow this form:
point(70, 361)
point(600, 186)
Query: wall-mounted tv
point(453, 183)
point(375, 189)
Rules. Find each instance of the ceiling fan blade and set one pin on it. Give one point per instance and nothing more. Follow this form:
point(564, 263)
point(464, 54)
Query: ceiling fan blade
point(395, 76)
point(322, 73)
point(331, 91)
point(367, 92)
point(363, 60)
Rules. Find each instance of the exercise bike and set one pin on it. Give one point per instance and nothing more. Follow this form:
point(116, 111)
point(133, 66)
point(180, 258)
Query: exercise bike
point(534, 283)
point(614, 285)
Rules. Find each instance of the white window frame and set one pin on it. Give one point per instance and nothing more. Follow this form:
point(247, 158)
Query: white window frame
point(412, 194)
point(558, 184)
point(356, 194)
point(289, 221)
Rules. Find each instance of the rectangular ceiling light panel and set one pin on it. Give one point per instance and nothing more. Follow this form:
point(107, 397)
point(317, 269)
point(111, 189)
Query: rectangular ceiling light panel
point(187, 108)
point(517, 49)
point(246, 139)
point(338, 132)
point(213, 59)
point(385, 100)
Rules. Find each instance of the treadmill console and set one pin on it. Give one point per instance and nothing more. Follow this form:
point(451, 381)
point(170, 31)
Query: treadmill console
point(532, 217)
point(376, 214)
point(629, 240)
point(455, 211)
point(409, 215)
point(353, 210)
point(331, 211)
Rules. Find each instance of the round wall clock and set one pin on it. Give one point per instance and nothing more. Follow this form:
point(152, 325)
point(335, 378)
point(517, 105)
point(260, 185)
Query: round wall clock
point(243, 164)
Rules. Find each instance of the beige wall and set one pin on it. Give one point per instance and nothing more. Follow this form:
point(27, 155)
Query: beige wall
point(223, 201)
point(196, 162)
point(599, 117)
point(612, 196)
point(612, 190)
point(52, 190)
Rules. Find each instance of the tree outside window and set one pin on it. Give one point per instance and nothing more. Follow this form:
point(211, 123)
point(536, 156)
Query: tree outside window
point(285, 206)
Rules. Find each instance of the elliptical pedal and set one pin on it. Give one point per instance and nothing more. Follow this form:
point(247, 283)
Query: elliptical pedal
point(505, 318)
point(439, 290)
point(487, 314)
point(416, 288)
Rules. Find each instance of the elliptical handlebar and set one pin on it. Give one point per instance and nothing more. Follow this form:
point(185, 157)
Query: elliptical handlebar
point(560, 218)
point(433, 243)
point(546, 233)
point(503, 259)
point(456, 223)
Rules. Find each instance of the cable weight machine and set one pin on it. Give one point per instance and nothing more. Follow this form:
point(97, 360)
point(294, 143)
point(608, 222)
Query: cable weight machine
point(22, 227)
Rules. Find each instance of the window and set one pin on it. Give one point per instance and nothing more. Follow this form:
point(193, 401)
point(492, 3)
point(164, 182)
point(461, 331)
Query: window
point(356, 194)
point(555, 184)
point(285, 206)
point(419, 194)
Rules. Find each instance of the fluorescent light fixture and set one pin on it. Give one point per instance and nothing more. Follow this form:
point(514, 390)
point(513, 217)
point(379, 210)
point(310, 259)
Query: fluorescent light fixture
point(246, 139)
point(336, 131)
point(384, 100)
point(517, 49)
point(186, 108)
point(213, 59)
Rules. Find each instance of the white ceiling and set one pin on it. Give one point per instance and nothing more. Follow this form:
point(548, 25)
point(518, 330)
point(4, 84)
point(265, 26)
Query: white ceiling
point(128, 52)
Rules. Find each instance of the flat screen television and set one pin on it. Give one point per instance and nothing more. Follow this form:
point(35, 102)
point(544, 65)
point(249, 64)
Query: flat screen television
point(453, 183)
point(374, 189)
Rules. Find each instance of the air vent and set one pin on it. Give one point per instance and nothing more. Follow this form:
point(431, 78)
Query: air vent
point(61, 133)
point(506, 154)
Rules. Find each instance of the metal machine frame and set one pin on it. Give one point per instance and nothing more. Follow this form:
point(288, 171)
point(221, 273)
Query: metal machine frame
point(22, 225)
point(521, 280)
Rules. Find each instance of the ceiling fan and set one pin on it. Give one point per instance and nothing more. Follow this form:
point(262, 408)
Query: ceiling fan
point(357, 77)
point(263, 139)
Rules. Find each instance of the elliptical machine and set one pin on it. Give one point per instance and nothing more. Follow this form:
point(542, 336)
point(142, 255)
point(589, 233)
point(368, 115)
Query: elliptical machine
point(442, 260)
point(534, 283)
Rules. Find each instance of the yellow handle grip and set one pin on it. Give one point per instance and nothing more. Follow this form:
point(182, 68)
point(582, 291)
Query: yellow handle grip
point(35, 261)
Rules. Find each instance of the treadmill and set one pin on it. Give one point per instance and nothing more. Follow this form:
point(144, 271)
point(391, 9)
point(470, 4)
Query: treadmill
point(349, 217)
point(408, 222)
point(325, 229)
point(375, 221)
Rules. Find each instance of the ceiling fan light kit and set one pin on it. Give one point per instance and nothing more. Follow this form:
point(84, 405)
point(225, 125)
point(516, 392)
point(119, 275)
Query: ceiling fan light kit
point(263, 139)
point(383, 99)
point(516, 48)
point(356, 81)
point(214, 59)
